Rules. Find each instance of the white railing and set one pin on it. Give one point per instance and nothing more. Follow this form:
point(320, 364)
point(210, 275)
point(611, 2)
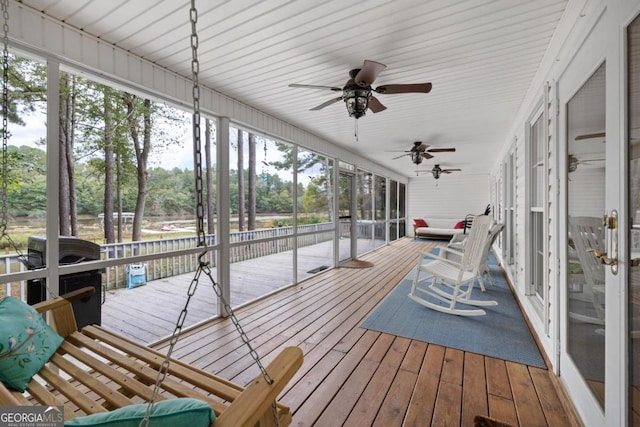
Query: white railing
point(244, 246)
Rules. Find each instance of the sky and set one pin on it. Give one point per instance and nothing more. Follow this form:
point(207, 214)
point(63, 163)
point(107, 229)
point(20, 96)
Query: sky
point(180, 156)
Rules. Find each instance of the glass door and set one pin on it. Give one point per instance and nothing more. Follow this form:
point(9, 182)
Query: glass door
point(582, 154)
point(633, 236)
point(585, 303)
point(347, 240)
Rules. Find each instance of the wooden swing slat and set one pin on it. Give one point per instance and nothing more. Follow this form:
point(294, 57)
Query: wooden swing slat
point(128, 387)
point(178, 368)
point(9, 399)
point(81, 400)
point(111, 396)
point(42, 394)
point(141, 373)
point(222, 388)
point(112, 360)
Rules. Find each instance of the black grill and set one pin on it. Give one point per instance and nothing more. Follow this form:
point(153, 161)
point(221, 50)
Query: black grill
point(72, 251)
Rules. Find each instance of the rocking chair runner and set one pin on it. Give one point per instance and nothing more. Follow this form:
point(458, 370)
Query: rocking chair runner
point(448, 278)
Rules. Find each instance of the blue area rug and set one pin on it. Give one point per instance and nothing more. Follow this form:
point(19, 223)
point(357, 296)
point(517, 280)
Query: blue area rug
point(501, 333)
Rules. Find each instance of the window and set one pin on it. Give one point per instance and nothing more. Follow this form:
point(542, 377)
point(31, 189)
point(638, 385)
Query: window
point(537, 237)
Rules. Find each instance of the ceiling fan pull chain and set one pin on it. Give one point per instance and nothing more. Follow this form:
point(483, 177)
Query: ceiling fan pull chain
point(356, 129)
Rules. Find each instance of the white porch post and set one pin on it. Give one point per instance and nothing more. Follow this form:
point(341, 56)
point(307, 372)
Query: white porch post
point(53, 177)
point(223, 208)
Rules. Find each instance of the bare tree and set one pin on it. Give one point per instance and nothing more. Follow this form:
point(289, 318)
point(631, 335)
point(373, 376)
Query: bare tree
point(108, 165)
point(68, 214)
point(241, 212)
point(209, 177)
point(139, 112)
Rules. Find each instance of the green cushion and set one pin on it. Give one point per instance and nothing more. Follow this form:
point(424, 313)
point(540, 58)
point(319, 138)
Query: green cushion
point(169, 413)
point(26, 343)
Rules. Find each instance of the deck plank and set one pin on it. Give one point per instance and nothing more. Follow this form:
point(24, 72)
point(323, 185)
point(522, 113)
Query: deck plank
point(353, 376)
point(553, 410)
point(367, 407)
point(528, 407)
point(422, 402)
point(474, 392)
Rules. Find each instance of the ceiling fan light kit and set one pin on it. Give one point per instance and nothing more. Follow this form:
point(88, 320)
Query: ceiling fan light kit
point(357, 101)
point(436, 171)
point(416, 157)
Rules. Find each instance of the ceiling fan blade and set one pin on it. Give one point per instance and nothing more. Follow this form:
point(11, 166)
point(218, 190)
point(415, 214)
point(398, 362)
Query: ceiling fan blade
point(368, 72)
point(404, 88)
point(441, 150)
point(316, 87)
point(325, 104)
point(427, 155)
point(451, 170)
point(375, 105)
point(401, 155)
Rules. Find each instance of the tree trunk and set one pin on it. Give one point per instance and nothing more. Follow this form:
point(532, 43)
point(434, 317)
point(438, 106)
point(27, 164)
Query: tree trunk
point(108, 167)
point(240, 181)
point(73, 208)
point(211, 224)
point(328, 178)
point(63, 190)
point(252, 182)
point(119, 194)
point(142, 154)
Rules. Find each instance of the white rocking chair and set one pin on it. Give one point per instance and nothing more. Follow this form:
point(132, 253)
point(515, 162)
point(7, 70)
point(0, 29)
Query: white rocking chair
point(456, 249)
point(452, 282)
point(587, 234)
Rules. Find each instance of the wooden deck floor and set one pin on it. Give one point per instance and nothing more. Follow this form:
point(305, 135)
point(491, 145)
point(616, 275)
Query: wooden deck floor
point(357, 377)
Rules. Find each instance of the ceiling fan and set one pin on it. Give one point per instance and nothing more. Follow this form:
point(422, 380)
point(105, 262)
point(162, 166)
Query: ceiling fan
point(421, 151)
point(436, 171)
point(357, 92)
point(573, 162)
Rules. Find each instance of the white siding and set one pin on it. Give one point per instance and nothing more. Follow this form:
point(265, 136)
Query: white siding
point(451, 196)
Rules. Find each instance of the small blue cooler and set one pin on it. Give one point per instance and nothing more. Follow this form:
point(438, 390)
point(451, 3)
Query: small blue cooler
point(136, 275)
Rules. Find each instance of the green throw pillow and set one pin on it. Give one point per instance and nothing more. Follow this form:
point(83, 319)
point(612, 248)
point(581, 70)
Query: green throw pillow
point(26, 343)
point(169, 413)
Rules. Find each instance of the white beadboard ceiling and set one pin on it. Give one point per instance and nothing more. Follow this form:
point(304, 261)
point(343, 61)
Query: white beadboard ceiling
point(480, 56)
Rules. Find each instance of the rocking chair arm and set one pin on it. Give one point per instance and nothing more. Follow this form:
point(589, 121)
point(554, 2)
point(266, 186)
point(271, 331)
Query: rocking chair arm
point(441, 258)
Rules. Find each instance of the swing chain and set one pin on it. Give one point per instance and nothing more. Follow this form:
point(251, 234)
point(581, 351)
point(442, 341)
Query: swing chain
point(203, 264)
point(197, 145)
point(5, 112)
point(4, 6)
point(164, 367)
point(197, 148)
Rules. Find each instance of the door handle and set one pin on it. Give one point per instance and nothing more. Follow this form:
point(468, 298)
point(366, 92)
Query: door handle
point(610, 223)
point(634, 262)
point(603, 258)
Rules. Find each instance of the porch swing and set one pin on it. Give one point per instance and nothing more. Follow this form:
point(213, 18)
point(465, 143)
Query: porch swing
point(103, 378)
